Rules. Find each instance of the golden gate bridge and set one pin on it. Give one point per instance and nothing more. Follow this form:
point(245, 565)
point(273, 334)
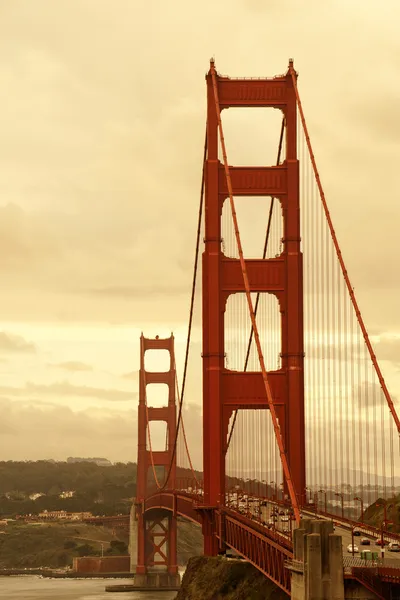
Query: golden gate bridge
point(296, 412)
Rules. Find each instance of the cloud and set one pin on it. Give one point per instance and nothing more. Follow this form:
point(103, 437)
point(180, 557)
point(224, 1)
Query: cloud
point(388, 348)
point(100, 172)
point(65, 389)
point(132, 292)
point(15, 344)
point(72, 366)
point(103, 182)
point(134, 375)
point(35, 431)
point(368, 396)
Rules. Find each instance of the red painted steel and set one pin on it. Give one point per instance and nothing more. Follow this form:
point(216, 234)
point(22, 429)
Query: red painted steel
point(270, 399)
point(259, 546)
point(181, 504)
point(267, 550)
point(226, 391)
point(222, 277)
point(157, 531)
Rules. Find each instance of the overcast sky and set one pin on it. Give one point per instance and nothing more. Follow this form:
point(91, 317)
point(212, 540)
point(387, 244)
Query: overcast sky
point(102, 115)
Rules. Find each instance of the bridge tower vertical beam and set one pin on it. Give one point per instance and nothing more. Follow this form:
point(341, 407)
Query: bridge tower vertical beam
point(224, 390)
point(213, 334)
point(157, 534)
point(293, 343)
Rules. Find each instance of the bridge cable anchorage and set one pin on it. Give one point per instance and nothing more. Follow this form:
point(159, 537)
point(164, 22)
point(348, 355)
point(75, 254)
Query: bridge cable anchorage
point(195, 268)
point(267, 233)
point(340, 257)
point(271, 406)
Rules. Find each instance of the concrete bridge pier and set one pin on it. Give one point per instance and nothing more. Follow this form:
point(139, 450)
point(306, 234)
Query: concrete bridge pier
point(133, 538)
point(317, 568)
point(148, 578)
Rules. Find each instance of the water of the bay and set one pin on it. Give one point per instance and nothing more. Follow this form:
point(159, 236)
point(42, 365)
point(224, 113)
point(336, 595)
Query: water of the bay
point(37, 588)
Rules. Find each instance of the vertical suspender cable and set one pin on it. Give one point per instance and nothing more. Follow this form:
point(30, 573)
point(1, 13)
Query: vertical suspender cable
point(341, 261)
point(190, 319)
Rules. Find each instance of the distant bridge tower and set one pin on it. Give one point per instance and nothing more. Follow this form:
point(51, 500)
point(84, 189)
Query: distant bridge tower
point(156, 529)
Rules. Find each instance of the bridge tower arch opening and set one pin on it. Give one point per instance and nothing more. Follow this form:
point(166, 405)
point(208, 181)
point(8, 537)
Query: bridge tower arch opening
point(156, 529)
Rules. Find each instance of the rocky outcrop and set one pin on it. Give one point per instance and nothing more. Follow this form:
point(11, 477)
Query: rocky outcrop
point(223, 578)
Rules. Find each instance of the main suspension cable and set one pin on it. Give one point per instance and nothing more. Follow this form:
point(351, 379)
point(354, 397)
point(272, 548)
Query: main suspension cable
point(271, 405)
point(271, 209)
point(340, 258)
point(184, 433)
point(153, 466)
point(191, 311)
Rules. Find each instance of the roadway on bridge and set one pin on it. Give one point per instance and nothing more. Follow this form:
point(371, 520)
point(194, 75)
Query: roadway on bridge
point(284, 526)
point(373, 547)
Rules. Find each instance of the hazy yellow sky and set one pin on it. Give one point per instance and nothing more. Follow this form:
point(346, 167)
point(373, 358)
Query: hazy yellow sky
point(102, 114)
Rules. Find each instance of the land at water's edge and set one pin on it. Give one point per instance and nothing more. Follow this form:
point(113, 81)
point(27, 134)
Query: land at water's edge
point(28, 545)
point(55, 545)
point(219, 578)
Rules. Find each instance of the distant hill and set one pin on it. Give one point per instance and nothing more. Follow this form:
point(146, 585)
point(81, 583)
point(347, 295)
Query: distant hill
point(101, 462)
point(375, 513)
point(99, 489)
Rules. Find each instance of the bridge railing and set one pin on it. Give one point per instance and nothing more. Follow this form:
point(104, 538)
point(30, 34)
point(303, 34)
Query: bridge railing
point(268, 551)
point(349, 562)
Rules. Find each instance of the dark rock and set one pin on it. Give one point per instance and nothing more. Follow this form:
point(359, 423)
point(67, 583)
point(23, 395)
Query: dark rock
point(220, 578)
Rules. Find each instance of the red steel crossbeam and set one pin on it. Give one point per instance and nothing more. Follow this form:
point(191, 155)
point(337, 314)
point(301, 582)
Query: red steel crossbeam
point(178, 503)
point(154, 546)
point(223, 390)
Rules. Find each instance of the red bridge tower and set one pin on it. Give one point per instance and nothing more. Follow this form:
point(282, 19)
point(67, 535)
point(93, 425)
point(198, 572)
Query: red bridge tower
point(223, 390)
point(157, 529)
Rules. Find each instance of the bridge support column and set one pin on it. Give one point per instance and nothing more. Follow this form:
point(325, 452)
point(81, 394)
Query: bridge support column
point(228, 390)
point(317, 568)
point(157, 560)
point(211, 545)
point(173, 545)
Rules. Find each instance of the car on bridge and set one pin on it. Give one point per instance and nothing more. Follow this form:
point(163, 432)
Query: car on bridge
point(365, 541)
point(380, 542)
point(356, 532)
point(394, 547)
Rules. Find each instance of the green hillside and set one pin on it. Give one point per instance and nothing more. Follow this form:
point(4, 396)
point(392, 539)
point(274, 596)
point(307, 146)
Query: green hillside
point(54, 545)
point(102, 490)
point(375, 513)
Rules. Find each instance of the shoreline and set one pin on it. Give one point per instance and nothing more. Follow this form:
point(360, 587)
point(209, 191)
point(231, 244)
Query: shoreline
point(57, 574)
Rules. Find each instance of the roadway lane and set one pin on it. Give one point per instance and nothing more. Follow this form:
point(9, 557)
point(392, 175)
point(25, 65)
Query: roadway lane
point(344, 531)
point(346, 537)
